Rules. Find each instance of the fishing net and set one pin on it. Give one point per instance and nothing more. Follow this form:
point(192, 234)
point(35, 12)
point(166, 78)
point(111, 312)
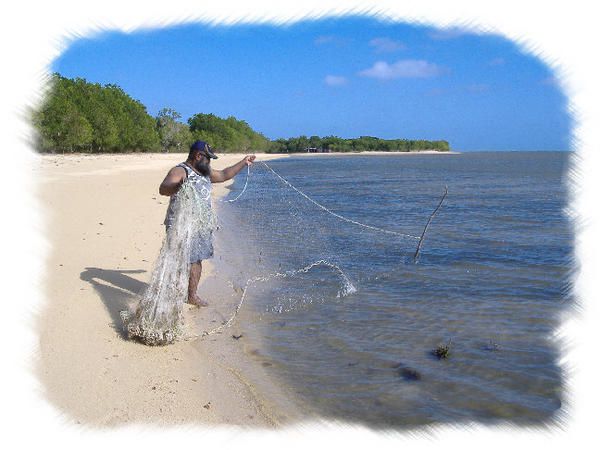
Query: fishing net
point(286, 243)
point(278, 245)
point(158, 317)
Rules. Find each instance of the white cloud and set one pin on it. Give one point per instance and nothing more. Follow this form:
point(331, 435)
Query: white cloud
point(335, 80)
point(406, 68)
point(386, 45)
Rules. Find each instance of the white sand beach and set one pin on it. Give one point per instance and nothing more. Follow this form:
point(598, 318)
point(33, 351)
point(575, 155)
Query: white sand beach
point(104, 222)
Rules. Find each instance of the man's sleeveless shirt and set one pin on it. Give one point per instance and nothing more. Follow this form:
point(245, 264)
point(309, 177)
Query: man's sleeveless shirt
point(201, 184)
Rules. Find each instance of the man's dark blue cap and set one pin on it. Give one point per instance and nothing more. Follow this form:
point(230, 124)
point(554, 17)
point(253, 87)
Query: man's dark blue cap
point(204, 148)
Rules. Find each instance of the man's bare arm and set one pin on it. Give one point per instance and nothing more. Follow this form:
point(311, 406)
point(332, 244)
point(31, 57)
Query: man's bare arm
point(218, 176)
point(172, 181)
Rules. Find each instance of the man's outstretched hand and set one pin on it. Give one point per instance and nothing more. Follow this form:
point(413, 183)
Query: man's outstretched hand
point(249, 160)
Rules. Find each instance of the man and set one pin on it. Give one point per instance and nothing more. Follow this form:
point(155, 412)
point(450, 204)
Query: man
point(198, 171)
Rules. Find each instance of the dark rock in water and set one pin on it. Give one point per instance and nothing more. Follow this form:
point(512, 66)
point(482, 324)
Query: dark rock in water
point(409, 374)
point(236, 336)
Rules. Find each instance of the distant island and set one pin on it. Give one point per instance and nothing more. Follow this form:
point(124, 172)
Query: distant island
point(78, 116)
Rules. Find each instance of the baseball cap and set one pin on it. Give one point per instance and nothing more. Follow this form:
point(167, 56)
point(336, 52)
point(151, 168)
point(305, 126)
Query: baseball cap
point(205, 148)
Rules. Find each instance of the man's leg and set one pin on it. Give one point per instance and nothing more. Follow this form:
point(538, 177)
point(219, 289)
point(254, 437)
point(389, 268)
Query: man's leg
point(195, 274)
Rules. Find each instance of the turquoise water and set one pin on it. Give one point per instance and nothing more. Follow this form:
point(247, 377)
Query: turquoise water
point(491, 280)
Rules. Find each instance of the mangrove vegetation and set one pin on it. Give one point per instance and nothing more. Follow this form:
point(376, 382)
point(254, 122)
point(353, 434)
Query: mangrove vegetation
point(84, 117)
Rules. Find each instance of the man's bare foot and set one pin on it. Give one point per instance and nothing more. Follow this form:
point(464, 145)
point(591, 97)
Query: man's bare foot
point(197, 301)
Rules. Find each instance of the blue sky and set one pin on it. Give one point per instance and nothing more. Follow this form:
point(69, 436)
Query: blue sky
point(346, 77)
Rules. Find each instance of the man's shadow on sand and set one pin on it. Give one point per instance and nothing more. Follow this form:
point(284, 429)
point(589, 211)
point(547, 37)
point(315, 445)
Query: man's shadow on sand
point(116, 290)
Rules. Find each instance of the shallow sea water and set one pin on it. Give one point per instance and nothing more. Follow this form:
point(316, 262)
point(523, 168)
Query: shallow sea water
point(491, 281)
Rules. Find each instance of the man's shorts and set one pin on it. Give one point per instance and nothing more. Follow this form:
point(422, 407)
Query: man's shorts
point(201, 247)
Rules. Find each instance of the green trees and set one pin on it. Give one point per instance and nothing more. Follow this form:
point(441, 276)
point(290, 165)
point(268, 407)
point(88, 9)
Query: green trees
point(62, 125)
point(227, 135)
point(174, 136)
point(136, 128)
point(79, 116)
point(85, 117)
point(361, 144)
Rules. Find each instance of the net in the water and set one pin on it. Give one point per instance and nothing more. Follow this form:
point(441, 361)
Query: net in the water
point(158, 317)
point(285, 229)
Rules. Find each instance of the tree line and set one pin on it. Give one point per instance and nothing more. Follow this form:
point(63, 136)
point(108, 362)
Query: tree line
point(361, 144)
point(79, 116)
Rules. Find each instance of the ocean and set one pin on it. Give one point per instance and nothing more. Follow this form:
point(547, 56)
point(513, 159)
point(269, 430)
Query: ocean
point(357, 344)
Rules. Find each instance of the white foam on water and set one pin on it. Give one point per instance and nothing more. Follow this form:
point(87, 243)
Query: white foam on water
point(347, 289)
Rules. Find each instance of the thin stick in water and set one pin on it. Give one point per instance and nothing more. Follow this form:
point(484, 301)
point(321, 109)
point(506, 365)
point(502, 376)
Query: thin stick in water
point(427, 224)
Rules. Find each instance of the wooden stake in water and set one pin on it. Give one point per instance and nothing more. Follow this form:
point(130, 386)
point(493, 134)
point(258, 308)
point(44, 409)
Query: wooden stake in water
point(427, 224)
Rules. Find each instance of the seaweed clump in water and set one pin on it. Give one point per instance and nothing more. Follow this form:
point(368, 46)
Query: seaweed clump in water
point(442, 351)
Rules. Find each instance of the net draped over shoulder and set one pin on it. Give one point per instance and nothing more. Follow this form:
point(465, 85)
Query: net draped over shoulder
point(201, 242)
point(158, 316)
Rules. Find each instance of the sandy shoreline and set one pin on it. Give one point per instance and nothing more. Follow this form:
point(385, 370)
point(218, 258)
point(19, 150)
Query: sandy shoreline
point(104, 223)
